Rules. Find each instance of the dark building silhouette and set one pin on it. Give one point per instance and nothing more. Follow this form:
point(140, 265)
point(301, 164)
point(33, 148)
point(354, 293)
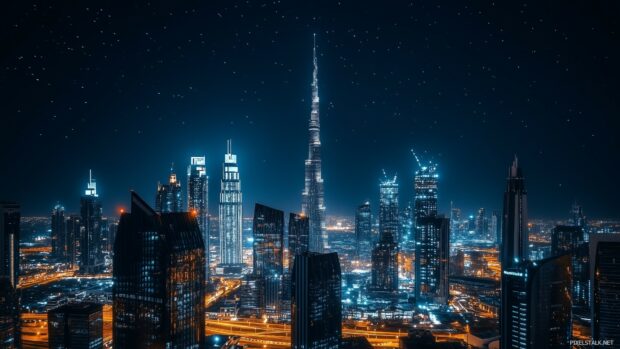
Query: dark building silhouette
point(298, 230)
point(363, 229)
point(385, 252)
point(91, 241)
point(10, 336)
point(536, 308)
point(198, 200)
point(59, 233)
point(355, 343)
point(168, 196)
point(432, 259)
point(76, 326)
point(513, 248)
point(159, 274)
point(571, 239)
point(424, 339)
point(605, 272)
point(9, 241)
point(316, 301)
point(74, 231)
point(268, 227)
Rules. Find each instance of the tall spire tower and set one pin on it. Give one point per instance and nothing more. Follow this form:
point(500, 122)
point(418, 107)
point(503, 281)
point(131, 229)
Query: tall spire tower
point(313, 201)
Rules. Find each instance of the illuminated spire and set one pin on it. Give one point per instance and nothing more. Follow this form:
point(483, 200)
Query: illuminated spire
point(91, 187)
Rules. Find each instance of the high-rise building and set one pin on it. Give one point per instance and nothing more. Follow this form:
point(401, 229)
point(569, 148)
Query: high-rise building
point(363, 229)
point(577, 217)
point(425, 189)
point(10, 335)
point(168, 197)
point(514, 222)
point(407, 218)
point(482, 225)
point(571, 239)
point(298, 234)
point(605, 286)
point(159, 274)
point(268, 256)
point(495, 225)
point(59, 233)
point(432, 259)
point(198, 199)
point(230, 218)
point(9, 241)
point(313, 200)
point(316, 301)
point(76, 326)
point(74, 232)
point(536, 304)
point(385, 252)
point(91, 244)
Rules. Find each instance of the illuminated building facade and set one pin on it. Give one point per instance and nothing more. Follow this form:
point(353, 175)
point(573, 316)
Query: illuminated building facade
point(9, 241)
point(316, 308)
point(268, 253)
point(571, 239)
point(159, 274)
point(482, 225)
point(313, 200)
point(385, 252)
point(605, 271)
point(168, 197)
point(425, 190)
point(407, 226)
point(59, 233)
point(298, 236)
point(513, 252)
point(198, 199)
point(363, 229)
point(76, 326)
point(577, 217)
point(432, 259)
point(74, 228)
point(10, 336)
point(91, 242)
point(230, 218)
point(536, 307)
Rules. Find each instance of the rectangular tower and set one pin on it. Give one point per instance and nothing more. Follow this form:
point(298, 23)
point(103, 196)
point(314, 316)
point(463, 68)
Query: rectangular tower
point(9, 241)
point(198, 200)
point(76, 326)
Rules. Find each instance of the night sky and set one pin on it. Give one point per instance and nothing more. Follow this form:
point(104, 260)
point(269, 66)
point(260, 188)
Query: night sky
point(128, 89)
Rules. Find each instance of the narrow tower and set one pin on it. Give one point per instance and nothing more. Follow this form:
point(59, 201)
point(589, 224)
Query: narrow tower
point(230, 211)
point(313, 204)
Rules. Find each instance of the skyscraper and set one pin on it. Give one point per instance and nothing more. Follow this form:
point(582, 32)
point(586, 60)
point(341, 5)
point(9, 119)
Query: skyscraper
point(198, 199)
point(316, 301)
point(363, 229)
point(432, 259)
point(230, 218)
point(168, 197)
point(9, 241)
point(268, 256)
point(74, 232)
point(577, 217)
point(298, 230)
point(91, 255)
point(425, 189)
point(571, 239)
point(76, 326)
point(536, 304)
point(59, 233)
point(482, 225)
point(605, 286)
point(10, 335)
point(514, 222)
point(159, 271)
point(385, 252)
point(313, 201)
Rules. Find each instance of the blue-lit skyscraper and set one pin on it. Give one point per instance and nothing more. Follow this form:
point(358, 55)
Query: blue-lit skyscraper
point(198, 199)
point(168, 197)
point(385, 252)
point(425, 189)
point(605, 286)
point(363, 230)
point(59, 233)
point(298, 239)
point(230, 211)
point(432, 259)
point(268, 256)
point(313, 200)
point(91, 241)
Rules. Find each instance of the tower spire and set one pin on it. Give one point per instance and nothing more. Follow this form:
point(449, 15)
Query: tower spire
point(315, 73)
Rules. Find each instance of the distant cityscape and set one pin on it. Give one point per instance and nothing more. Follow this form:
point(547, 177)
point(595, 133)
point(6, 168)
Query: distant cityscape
point(397, 273)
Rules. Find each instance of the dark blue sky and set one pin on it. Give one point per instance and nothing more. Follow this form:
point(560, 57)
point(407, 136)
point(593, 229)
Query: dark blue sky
point(126, 90)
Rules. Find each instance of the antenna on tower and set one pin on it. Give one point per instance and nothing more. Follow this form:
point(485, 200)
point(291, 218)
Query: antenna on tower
point(417, 159)
point(229, 146)
point(90, 175)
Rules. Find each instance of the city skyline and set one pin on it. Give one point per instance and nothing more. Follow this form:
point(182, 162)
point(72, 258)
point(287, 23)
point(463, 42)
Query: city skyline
point(467, 114)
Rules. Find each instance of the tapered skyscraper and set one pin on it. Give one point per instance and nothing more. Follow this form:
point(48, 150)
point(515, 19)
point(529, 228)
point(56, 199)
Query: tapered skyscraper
point(514, 223)
point(91, 253)
point(313, 201)
point(168, 196)
point(198, 199)
point(230, 211)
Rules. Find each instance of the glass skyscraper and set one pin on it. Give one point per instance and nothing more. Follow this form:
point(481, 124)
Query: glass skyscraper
point(605, 283)
point(363, 229)
point(316, 309)
point(514, 223)
point(313, 200)
point(432, 259)
point(91, 242)
point(159, 273)
point(298, 230)
point(230, 218)
point(76, 326)
point(198, 199)
point(385, 252)
point(9, 241)
point(571, 239)
point(10, 334)
point(59, 233)
point(168, 197)
point(425, 190)
point(268, 256)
